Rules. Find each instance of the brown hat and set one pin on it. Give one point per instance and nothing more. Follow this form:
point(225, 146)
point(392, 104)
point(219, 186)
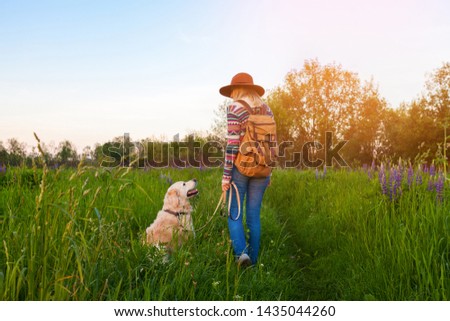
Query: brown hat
point(241, 79)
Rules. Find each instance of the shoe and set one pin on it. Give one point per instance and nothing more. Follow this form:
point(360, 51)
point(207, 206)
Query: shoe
point(244, 261)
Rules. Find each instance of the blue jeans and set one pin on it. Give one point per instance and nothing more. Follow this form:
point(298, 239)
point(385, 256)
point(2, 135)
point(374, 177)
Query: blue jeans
point(254, 189)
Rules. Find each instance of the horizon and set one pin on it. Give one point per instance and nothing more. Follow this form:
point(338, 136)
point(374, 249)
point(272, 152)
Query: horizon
point(88, 72)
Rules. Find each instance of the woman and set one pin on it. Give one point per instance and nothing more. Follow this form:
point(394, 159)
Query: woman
point(243, 88)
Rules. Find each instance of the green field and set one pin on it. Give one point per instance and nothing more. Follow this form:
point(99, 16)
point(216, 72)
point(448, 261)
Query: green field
point(77, 235)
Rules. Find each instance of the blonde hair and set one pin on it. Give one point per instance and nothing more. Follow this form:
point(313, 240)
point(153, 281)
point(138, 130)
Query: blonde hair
point(247, 94)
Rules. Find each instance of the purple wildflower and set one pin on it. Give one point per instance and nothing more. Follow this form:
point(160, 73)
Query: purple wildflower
point(432, 170)
point(419, 179)
point(317, 173)
point(2, 169)
point(430, 185)
point(373, 166)
point(400, 167)
point(439, 185)
point(324, 171)
point(410, 176)
point(383, 183)
point(398, 178)
point(395, 180)
point(391, 182)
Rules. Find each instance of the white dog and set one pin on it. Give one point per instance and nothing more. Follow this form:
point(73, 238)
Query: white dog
point(173, 224)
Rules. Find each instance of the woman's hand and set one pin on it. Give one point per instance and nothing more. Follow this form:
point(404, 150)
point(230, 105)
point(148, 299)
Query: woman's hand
point(225, 187)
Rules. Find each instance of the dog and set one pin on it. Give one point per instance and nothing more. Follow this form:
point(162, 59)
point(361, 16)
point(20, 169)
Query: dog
point(173, 224)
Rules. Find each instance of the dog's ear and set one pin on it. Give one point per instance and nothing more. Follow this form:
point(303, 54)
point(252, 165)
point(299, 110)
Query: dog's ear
point(173, 193)
point(172, 200)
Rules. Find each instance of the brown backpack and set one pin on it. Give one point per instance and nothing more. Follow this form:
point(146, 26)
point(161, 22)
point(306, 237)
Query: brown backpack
point(258, 148)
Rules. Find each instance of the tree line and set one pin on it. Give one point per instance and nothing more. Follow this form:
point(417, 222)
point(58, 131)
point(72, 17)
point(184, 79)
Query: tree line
point(322, 98)
point(311, 102)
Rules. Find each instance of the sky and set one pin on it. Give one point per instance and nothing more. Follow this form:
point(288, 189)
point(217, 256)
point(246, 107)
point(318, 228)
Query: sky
point(89, 71)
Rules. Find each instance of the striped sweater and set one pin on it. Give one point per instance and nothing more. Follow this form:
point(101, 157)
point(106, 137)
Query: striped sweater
point(237, 117)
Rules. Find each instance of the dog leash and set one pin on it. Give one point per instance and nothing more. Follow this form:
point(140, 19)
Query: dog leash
point(238, 198)
point(222, 202)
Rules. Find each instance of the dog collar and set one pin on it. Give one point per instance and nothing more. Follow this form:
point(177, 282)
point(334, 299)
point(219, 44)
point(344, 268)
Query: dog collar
point(175, 213)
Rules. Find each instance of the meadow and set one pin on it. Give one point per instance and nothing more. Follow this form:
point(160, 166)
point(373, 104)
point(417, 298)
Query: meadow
point(366, 234)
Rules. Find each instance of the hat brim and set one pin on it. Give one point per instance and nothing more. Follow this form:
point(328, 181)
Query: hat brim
point(227, 90)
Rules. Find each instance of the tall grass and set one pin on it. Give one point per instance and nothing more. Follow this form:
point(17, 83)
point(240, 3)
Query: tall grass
point(77, 235)
point(359, 244)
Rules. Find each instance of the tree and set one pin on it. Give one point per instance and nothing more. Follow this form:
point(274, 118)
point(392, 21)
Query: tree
point(46, 153)
point(318, 99)
point(219, 126)
point(67, 153)
point(416, 128)
point(121, 151)
point(3, 155)
point(437, 100)
point(88, 153)
point(17, 152)
point(365, 132)
point(437, 97)
point(395, 140)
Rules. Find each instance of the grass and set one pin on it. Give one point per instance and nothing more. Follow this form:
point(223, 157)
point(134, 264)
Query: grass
point(77, 235)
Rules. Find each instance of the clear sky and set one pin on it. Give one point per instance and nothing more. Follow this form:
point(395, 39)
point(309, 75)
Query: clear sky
point(88, 71)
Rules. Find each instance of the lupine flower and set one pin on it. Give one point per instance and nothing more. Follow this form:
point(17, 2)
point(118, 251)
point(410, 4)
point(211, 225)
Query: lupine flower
point(382, 167)
point(410, 176)
point(430, 187)
point(432, 170)
point(419, 179)
point(383, 183)
point(439, 185)
point(373, 166)
point(317, 173)
point(391, 182)
point(324, 171)
point(381, 174)
point(395, 180)
point(396, 190)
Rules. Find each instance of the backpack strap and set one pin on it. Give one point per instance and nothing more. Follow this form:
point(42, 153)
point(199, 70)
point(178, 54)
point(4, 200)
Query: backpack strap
point(246, 106)
point(262, 110)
